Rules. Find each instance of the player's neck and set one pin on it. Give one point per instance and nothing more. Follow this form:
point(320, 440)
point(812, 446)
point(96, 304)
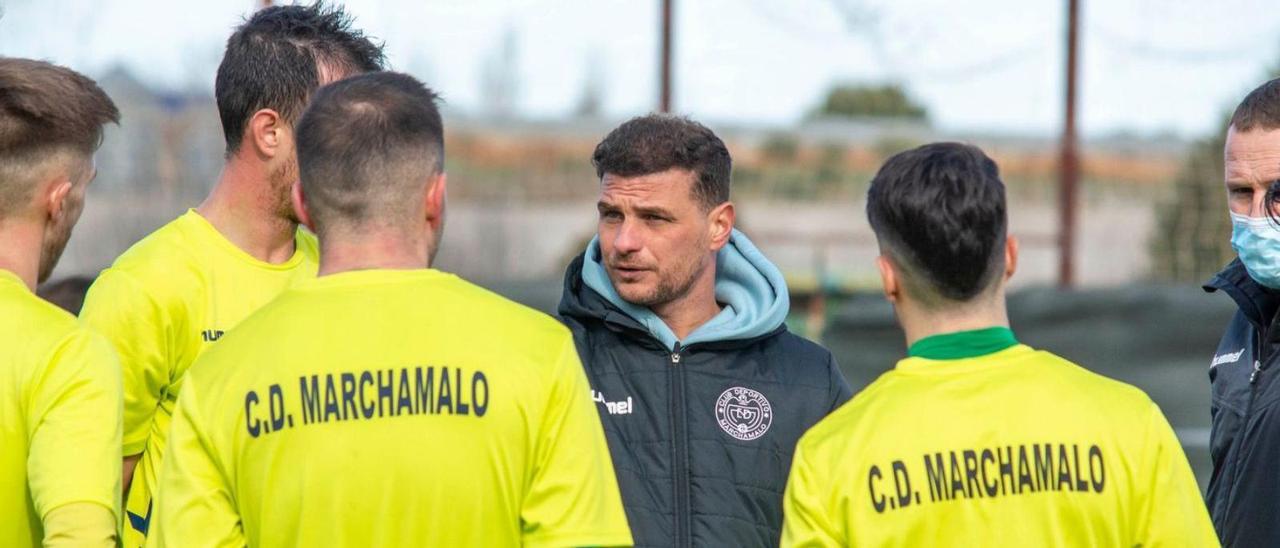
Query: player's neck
point(20, 253)
point(687, 313)
point(240, 208)
point(919, 322)
point(374, 251)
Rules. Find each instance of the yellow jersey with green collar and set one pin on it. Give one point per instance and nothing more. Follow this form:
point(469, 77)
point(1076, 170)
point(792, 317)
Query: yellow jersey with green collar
point(992, 443)
point(389, 408)
point(163, 303)
point(59, 417)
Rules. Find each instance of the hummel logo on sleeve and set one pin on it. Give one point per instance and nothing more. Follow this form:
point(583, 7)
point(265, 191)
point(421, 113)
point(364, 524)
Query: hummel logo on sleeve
point(1230, 357)
point(621, 407)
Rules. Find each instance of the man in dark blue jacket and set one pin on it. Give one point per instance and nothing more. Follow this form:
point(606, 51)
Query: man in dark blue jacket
point(679, 321)
point(1244, 490)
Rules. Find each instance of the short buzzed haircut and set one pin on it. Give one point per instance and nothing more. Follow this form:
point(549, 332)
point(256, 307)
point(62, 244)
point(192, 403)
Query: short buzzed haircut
point(365, 144)
point(1260, 109)
point(45, 110)
point(658, 142)
point(276, 58)
point(939, 211)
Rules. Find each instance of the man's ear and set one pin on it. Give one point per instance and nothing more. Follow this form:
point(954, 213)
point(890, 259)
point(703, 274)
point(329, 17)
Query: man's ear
point(55, 198)
point(889, 278)
point(266, 130)
point(300, 206)
point(437, 194)
point(720, 225)
point(1010, 256)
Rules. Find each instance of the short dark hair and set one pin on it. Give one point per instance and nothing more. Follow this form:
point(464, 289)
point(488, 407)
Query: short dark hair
point(658, 142)
point(363, 143)
point(275, 59)
point(1260, 109)
point(940, 211)
point(45, 109)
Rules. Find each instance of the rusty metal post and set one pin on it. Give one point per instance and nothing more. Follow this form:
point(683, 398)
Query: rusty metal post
point(1069, 174)
point(664, 94)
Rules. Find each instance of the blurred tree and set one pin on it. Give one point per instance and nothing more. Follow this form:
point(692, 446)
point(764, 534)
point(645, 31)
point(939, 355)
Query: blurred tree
point(780, 147)
point(1192, 239)
point(870, 101)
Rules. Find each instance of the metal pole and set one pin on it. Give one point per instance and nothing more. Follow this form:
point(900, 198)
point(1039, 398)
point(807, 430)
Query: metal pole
point(1069, 174)
point(664, 98)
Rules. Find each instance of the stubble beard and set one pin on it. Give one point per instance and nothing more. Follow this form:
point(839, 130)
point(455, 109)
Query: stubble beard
point(670, 288)
point(281, 191)
point(52, 250)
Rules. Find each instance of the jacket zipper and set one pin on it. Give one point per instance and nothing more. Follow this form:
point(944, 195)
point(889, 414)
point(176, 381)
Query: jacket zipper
point(1248, 414)
point(680, 450)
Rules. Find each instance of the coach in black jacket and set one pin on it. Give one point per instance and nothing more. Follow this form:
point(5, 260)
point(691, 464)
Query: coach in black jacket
point(1244, 444)
point(678, 319)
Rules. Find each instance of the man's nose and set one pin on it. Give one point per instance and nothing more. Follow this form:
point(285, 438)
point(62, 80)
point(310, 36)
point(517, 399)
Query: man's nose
point(629, 238)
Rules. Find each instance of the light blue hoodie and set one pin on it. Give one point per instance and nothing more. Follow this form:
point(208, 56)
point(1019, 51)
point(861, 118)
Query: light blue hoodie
point(748, 286)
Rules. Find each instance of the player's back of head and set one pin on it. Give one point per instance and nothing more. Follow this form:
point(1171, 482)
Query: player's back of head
point(939, 212)
point(280, 55)
point(368, 146)
point(47, 112)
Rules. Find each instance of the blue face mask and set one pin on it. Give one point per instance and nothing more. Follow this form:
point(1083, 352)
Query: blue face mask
point(1257, 242)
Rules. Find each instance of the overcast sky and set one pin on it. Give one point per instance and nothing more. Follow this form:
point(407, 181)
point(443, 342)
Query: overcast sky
point(980, 65)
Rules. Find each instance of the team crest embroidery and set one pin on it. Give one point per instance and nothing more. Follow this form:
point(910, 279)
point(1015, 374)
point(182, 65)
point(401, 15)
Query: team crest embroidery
point(744, 413)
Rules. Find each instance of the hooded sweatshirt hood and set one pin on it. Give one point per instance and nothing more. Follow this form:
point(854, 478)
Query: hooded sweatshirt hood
point(750, 289)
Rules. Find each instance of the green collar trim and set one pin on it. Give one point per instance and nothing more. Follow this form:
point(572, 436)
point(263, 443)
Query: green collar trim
point(963, 344)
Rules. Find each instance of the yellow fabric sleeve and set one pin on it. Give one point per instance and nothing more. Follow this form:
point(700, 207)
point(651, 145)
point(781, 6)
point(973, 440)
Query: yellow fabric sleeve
point(806, 520)
point(80, 525)
point(1170, 509)
point(119, 308)
point(194, 506)
point(573, 499)
point(74, 427)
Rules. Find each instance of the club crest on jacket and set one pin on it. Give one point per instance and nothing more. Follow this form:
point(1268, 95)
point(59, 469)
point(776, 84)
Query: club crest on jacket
point(744, 413)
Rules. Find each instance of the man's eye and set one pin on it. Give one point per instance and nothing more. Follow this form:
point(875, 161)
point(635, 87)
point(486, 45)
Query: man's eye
point(611, 215)
point(1241, 191)
point(654, 218)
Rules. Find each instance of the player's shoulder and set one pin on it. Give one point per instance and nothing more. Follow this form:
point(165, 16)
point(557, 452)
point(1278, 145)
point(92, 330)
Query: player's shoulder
point(1095, 388)
point(504, 313)
point(849, 421)
point(39, 328)
point(166, 267)
point(156, 255)
point(41, 315)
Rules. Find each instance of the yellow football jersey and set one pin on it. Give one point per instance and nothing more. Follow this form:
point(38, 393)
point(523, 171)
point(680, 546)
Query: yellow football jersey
point(389, 408)
point(59, 415)
point(161, 304)
point(1013, 448)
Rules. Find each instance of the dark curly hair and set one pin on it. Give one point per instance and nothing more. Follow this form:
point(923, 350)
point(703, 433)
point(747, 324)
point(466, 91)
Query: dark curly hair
point(276, 59)
point(658, 142)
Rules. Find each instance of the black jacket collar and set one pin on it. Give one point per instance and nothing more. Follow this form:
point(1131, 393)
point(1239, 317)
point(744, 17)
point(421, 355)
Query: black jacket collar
point(1256, 302)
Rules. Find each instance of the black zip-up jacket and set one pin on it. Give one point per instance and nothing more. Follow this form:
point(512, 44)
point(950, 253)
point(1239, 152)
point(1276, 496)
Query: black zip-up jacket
point(701, 437)
point(1244, 491)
